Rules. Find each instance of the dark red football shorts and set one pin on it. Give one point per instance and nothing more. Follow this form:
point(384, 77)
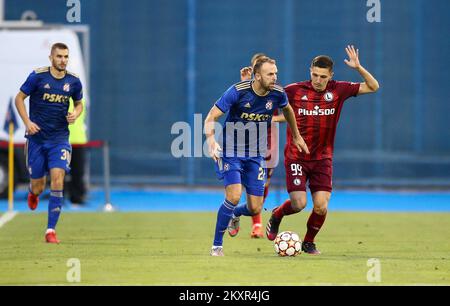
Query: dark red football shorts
point(318, 173)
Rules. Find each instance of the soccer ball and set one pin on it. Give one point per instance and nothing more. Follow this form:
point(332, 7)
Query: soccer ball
point(287, 244)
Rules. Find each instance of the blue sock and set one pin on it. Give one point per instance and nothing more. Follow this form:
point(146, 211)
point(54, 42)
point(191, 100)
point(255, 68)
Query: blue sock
point(223, 218)
point(54, 208)
point(242, 210)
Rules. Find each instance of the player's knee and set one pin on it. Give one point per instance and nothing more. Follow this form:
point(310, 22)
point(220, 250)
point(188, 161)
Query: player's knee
point(298, 204)
point(233, 198)
point(321, 210)
point(57, 183)
point(255, 210)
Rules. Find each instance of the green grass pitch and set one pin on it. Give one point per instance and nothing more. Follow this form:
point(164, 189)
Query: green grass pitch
point(173, 249)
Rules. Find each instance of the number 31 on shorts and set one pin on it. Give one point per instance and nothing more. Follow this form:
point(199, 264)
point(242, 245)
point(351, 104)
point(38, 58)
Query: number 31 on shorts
point(65, 156)
point(296, 169)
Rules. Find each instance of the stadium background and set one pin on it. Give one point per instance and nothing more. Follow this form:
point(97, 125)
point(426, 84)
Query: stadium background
point(154, 63)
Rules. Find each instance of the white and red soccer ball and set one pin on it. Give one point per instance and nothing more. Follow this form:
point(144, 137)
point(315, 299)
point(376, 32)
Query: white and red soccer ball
point(287, 244)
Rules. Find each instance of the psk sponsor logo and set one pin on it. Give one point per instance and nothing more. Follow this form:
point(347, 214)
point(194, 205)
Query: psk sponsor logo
point(297, 182)
point(255, 117)
point(55, 98)
point(66, 87)
point(328, 96)
point(269, 105)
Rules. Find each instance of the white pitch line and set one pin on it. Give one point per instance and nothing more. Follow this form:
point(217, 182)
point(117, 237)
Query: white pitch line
point(6, 217)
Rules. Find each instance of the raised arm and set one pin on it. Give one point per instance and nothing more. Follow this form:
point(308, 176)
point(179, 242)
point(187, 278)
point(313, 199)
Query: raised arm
point(246, 73)
point(370, 84)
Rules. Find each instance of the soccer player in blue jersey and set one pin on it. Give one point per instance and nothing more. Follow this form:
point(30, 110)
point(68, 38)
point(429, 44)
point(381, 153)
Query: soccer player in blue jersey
point(257, 232)
point(48, 150)
point(240, 161)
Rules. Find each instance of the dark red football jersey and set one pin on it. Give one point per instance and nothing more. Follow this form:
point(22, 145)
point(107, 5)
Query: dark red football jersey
point(317, 115)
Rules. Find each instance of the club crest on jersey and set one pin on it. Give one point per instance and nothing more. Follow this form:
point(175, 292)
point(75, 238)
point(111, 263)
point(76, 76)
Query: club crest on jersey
point(269, 105)
point(297, 182)
point(328, 96)
point(66, 87)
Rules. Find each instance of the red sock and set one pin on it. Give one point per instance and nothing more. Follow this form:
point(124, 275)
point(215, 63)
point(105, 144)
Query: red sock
point(257, 219)
point(284, 209)
point(313, 226)
point(266, 191)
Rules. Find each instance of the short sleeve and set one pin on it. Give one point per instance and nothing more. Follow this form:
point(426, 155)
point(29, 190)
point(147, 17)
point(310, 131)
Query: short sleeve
point(347, 89)
point(229, 98)
point(30, 84)
point(290, 91)
point(78, 91)
point(284, 100)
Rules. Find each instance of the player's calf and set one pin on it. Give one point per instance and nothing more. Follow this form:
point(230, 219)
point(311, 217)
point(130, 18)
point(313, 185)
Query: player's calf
point(285, 209)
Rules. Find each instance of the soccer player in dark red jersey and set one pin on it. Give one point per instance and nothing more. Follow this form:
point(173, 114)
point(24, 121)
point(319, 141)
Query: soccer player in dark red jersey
point(317, 106)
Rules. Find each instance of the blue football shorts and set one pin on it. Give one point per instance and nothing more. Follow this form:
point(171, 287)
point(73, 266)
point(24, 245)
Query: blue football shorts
point(41, 157)
point(248, 171)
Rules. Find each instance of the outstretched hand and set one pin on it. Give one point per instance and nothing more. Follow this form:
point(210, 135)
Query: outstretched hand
point(353, 55)
point(246, 73)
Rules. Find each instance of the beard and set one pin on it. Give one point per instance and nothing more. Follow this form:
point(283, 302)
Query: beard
point(60, 68)
point(267, 86)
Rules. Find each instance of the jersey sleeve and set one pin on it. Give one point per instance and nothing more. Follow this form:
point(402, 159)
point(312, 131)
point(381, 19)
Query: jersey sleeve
point(284, 100)
point(78, 91)
point(30, 84)
point(229, 98)
point(347, 89)
point(289, 90)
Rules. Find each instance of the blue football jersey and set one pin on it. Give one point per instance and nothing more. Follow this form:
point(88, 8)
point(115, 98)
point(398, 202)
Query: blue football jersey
point(249, 117)
point(49, 103)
